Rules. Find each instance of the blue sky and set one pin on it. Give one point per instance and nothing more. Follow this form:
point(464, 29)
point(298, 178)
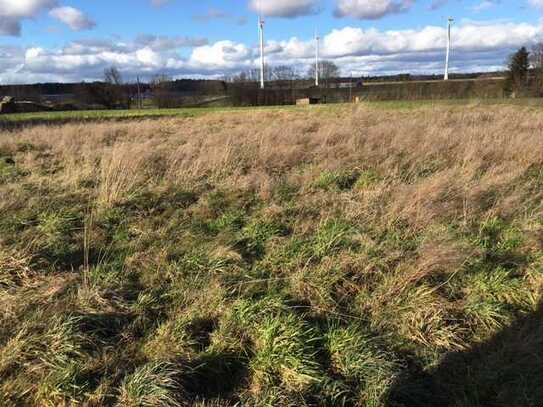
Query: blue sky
point(72, 40)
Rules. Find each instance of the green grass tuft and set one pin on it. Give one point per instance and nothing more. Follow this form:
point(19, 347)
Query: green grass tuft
point(336, 180)
point(153, 384)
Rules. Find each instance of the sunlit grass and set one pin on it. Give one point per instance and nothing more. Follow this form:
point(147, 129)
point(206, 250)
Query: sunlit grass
point(323, 256)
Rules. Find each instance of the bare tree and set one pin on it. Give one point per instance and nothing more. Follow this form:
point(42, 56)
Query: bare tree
point(112, 76)
point(284, 76)
point(327, 70)
point(284, 73)
point(281, 73)
point(250, 75)
point(113, 93)
point(110, 93)
point(161, 87)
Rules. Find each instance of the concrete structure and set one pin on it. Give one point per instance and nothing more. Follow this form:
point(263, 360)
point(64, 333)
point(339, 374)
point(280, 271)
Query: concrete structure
point(308, 101)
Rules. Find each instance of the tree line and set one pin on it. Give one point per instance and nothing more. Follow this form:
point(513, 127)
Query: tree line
point(283, 73)
point(113, 92)
point(525, 72)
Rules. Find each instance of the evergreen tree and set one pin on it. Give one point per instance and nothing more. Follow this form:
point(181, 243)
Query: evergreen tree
point(519, 65)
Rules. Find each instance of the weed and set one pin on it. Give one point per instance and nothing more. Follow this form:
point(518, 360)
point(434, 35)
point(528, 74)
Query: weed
point(339, 180)
point(359, 358)
point(366, 179)
point(254, 236)
point(153, 384)
point(285, 354)
point(332, 235)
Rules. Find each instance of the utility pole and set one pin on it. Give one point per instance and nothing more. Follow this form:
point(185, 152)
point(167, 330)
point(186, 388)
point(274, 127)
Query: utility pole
point(317, 44)
point(140, 102)
point(261, 32)
point(351, 89)
point(450, 21)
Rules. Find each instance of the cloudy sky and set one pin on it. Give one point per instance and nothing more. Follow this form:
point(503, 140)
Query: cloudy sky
point(74, 40)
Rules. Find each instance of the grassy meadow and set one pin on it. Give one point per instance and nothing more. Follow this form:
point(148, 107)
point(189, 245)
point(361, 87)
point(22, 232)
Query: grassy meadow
point(14, 120)
point(348, 256)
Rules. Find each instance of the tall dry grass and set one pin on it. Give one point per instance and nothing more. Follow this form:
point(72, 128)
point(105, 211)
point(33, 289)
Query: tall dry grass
point(435, 161)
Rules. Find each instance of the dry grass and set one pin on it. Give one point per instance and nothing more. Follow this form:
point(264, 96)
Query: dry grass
point(246, 240)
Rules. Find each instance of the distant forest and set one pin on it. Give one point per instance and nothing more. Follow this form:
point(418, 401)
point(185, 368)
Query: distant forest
point(203, 86)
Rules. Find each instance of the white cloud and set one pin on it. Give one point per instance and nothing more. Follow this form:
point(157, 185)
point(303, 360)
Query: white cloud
point(12, 12)
point(222, 55)
point(148, 57)
point(467, 38)
point(160, 42)
point(286, 8)
point(477, 46)
point(23, 8)
point(73, 18)
point(371, 9)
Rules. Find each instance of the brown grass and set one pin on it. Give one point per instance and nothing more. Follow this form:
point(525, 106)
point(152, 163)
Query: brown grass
point(438, 162)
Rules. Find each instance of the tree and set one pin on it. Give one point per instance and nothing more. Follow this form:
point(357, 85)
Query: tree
point(284, 73)
point(250, 75)
point(161, 86)
point(519, 66)
point(536, 59)
point(111, 93)
point(327, 70)
point(271, 73)
point(112, 76)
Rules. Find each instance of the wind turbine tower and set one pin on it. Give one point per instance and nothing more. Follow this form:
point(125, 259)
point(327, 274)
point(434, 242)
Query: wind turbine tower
point(261, 33)
point(450, 20)
point(317, 45)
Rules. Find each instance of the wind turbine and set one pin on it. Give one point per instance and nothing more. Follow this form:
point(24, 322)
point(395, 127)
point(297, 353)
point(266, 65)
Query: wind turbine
point(446, 77)
point(261, 34)
point(317, 44)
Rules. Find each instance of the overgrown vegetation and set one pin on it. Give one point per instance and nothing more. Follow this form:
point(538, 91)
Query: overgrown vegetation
point(342, 257)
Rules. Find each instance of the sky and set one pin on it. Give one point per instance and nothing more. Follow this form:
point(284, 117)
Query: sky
point(75, 40)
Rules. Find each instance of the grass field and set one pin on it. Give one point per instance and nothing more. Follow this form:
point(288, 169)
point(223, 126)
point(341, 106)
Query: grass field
point(22, 119)
point(366, 255)
point(96, 115)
